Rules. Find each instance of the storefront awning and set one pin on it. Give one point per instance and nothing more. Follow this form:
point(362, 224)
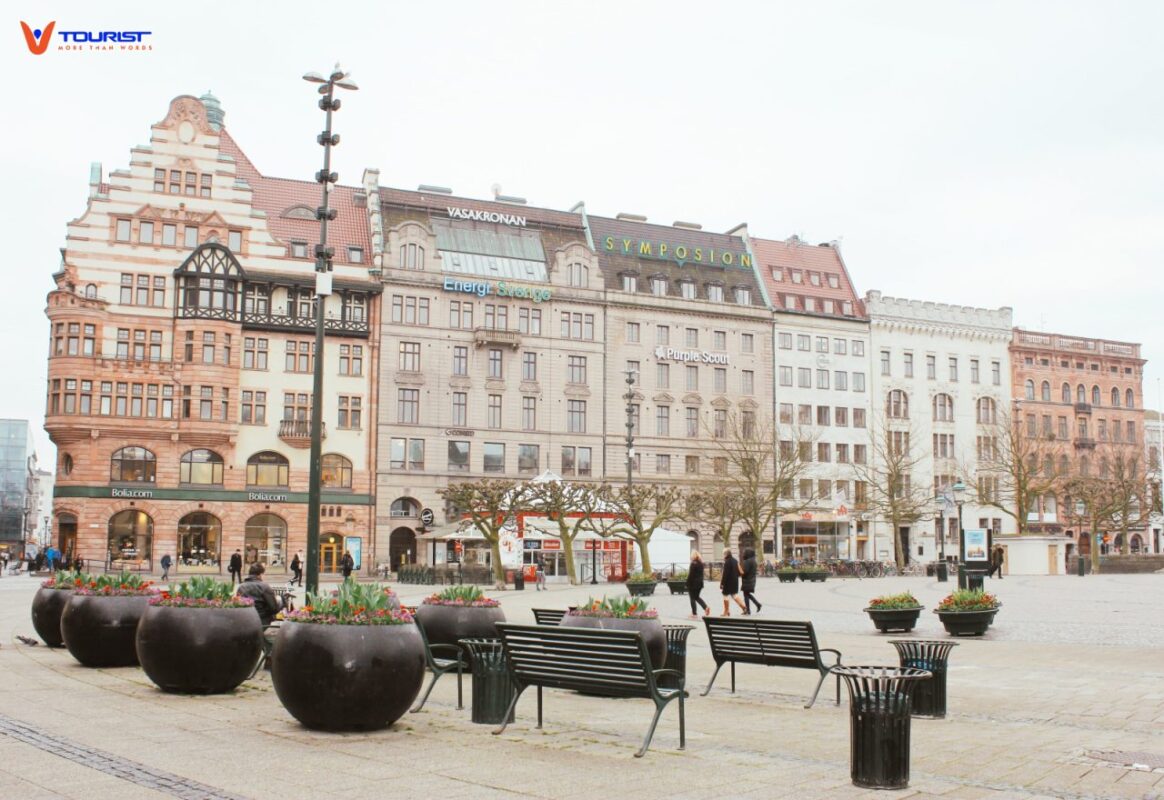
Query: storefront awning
point(457, 530)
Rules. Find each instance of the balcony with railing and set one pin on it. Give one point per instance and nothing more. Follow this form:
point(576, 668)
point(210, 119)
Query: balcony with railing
point(1083, 408)
point(1085, 443)
point(297, 432)
point(265, 321)
point(483, 336)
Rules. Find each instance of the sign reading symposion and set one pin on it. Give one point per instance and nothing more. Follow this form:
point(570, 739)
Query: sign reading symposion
point(679, 253)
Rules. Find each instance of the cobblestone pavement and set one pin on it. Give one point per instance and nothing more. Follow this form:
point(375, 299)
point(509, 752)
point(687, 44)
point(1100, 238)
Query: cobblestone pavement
point(1069, 679)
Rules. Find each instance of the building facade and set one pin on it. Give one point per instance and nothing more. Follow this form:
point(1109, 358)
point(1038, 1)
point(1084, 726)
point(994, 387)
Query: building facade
point(1088, 395)
point(941, 380)
point(18, 480)
point(1153, 453)
point(822, 395)
point(180, 370)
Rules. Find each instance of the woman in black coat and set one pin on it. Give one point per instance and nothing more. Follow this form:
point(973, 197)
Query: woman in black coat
point(748, 581)
point(729, 583)
point(695, 584)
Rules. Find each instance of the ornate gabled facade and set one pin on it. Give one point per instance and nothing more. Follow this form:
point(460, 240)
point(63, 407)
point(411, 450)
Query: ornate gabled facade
point(182, 328)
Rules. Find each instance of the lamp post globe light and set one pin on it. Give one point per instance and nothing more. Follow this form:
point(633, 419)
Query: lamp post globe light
point(323, 265)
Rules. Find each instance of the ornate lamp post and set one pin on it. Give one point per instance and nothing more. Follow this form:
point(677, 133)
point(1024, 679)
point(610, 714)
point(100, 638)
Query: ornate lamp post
point(959, 490)
point(323, 255)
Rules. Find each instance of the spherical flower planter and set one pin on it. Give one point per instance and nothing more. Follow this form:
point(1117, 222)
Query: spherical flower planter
point(459, 613)
point(47, 606)
point(100, 630)
point(338, 677)
point(623, 615)
point(199, 648)
point(894, 619)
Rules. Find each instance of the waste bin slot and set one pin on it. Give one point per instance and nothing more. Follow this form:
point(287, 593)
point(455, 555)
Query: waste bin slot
point(879, 721)
point(492, 688)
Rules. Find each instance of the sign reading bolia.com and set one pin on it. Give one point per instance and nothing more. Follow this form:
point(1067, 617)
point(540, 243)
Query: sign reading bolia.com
point(699, 356)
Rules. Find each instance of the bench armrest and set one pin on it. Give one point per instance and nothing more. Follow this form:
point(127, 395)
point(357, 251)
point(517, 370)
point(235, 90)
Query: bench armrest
point(831, 650)
point(454, 649)
point(678, 675)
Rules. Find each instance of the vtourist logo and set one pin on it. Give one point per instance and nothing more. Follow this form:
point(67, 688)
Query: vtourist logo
point(38, 40)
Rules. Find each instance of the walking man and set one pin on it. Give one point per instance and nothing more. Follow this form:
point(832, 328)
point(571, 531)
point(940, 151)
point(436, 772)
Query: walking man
point(235, 568)
point(167, 562)
point(347, 564)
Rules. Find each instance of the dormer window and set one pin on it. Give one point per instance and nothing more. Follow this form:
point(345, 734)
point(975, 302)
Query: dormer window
point(790, 302)
point(834, 281)
point(630, 283)
point(715, 292)
point(743, 296)
point(847, 308)
point(797, 276)
point(355, 255)
point(777, 274)
point(809, 304)
point(299, 249)
point(687, 289)
point(659, 287)
point(829, 306)
point(814, 278)
point(579, 275)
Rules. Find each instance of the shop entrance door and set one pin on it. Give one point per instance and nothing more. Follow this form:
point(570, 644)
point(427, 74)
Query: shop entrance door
point(330, 553)
point(67, 524)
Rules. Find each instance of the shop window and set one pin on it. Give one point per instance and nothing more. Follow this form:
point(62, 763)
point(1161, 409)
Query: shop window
point(130, 536)
point(265, 537)
point(199, 535)
point(336, 472)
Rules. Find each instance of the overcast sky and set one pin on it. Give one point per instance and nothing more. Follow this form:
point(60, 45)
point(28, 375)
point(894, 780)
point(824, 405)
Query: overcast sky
point(989, 154)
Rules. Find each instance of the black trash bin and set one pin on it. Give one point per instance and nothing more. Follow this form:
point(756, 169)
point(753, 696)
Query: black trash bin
point(519, 580)
point(492, 688)
point(929, 698)
point(879, 717)
point(676, 654)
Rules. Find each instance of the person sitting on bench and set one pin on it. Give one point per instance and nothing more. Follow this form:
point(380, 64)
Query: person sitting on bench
point(254, 587)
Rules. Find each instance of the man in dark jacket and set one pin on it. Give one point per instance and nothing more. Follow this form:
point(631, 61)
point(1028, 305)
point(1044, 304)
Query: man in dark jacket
point(347, 564)
point(748, 581)
point(235, 567)
point(254, 587)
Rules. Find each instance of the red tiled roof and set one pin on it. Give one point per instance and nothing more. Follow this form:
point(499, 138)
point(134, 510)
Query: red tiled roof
point(276, 195)
point(793, 254)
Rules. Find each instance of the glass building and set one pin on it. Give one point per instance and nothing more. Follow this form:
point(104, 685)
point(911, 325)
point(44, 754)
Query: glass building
point(17, 468)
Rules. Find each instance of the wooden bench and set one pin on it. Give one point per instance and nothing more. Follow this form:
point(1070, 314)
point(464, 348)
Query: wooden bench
point(773, 643)
point(588, 660)
point(548, 616)
point(440, 658)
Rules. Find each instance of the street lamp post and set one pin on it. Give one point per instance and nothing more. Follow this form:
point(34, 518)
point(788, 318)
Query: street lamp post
point(323, 255)
point(1080, 511)
point(959, 490)
point(941, 571)
point(630, 426)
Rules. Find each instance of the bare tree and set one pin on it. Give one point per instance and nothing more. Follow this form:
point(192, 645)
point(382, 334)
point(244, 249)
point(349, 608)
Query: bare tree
point(891, 490)
point(570, 506)
point(1016, 467)
point(1122, 493)
point(488, 503)
point(641, 510)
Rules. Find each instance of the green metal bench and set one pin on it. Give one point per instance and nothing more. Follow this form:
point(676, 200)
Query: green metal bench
point(595, 662)
point(549, 616)
point(439, 665)
point(772, 643)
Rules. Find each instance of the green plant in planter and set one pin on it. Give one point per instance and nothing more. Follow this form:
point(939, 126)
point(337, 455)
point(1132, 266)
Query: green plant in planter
point(679, 576)
point(894, 602)
point(814, 568)
point(642, 577)
point(353, 604)
point(461, 596)
point(614, 608)
point(201, 592)
point(66, 580)
point(127, 584)
point(966, 600)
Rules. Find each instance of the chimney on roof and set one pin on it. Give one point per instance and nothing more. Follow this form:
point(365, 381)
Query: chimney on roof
point(424, 187)
point(630, 217)
point(691, 226)
point(506, 198)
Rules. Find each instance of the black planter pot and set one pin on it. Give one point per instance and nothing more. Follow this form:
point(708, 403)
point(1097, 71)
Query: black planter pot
point(677, 587)
point(100, 630)
point(966, 623)
point(641, 589)
point(450, 624)
point(199, 650)
point(814, 577)
point(47, 607)
point(651, 629)
point(788, 577)
point(347, 677)
point(894, 619)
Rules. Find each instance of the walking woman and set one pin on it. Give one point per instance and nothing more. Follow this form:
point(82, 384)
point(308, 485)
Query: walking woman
point(729, 583)
point(695, 584)
point(297, 570)
point(748, 581)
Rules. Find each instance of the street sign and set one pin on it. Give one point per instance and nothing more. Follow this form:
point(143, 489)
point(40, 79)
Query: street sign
point(427, 517)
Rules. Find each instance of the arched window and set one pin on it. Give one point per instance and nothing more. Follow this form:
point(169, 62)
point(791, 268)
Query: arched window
point(131, 533)
point(336, 472)
point(897, 405)
point(91, 291)
point(1130, 399)
point(1081, 394)
point(1095, 396)
point(265, 539)
point(1045, 392)
point(1115, 397)
point(268, 469)
point(201, 467)
point(694, 537)
point(133, 464)
point(987, 411)
point(1029, 389)
point(404, 507)
point(209, 282)
point(943, 408)
point(1066, 393)
point(199, 535)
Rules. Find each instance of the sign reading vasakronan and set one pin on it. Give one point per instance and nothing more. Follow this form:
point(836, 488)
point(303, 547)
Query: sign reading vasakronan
point(486, 216)
point(671, 354)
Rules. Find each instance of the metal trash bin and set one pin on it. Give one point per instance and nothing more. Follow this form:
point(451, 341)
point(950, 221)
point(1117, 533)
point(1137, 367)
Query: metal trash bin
point(492, 688)
point(676, 654)
point(879, 717)
point(929, 696)
point(518, 580)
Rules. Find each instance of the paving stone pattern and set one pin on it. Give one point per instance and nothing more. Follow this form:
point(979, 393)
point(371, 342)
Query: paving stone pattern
point(1060, 700)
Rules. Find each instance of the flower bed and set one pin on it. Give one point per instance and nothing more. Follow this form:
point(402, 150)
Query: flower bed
point(894, 612)
point(461, 596)
point(618, 608)
point(353, 604)
point(623, 614)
